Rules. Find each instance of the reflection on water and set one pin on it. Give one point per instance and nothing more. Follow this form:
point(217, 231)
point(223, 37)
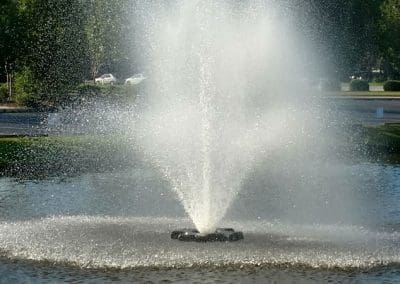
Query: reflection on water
point(362, 194)
point(122, 221)
point(134, 193)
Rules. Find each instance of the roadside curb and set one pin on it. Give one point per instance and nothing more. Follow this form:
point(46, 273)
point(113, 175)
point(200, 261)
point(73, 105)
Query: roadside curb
point(3, 136)
point(16, 110)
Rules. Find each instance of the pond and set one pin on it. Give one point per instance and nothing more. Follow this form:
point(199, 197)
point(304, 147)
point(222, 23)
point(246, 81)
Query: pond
point(115, 227)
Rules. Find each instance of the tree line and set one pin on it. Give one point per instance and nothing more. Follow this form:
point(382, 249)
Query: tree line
point(360, 36)
point(47, 47)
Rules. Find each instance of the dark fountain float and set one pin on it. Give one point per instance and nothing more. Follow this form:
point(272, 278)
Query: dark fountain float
point(220, 235)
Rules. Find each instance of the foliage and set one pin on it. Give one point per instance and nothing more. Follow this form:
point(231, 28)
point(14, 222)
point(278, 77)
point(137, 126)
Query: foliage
point(390, 37)
point(57, 45)
point(64, 42)
point(345, 33)
point(3, 92)
point(359, 85)
point(392, 86)
point(26, 91)
point(115, 94)
point(10, 36)
point(106, 29)
point(384, 138)
point(88, 89)
point(378, 80)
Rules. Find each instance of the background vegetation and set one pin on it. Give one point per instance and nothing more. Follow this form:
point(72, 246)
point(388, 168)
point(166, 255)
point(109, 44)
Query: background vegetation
point(48, 48)
point(359, 85)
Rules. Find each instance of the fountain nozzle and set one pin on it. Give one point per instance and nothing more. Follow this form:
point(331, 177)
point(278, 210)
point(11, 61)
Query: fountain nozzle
point(220, 235)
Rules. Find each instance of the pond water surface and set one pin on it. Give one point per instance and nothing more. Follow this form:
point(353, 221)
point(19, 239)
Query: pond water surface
point(115, 227)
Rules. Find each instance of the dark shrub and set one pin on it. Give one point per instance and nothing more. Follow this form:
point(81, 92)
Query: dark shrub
point(359, 85)
point(392, 86)
point(3, 92)
point(87, 89)
point(379, 80)
point(112, 90)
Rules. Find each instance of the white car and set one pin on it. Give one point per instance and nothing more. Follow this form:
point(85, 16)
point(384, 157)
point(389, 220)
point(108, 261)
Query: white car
point(106, 79)
point(135, 79)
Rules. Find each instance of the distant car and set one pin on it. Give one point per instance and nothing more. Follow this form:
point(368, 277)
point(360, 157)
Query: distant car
point(106, 79)
point(135, 79)
point(220, 235)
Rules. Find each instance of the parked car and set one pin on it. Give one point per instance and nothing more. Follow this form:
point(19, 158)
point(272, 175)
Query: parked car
point(135, 79)
point(106, 79)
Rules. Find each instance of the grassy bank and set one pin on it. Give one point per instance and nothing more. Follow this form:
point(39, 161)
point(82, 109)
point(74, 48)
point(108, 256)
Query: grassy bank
point(364, 94)
point(385, 138)
point(47, 156)
point(376, 84)
point(38, 157)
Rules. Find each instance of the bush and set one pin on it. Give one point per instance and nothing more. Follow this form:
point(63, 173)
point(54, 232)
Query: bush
point(105, 90)
point(26, 91)
point(3, 92)
point(392, 86)
point(88, 89)
point(359, 85)
point(378, 80)
point(112, 90)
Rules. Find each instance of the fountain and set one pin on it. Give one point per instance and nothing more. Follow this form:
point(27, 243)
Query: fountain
point(221, 98)
point(227, 120)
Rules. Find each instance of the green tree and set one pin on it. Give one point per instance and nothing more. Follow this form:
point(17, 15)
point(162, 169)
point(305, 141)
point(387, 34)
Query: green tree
point(390, 37)
point(106, 30)
point(10, 39)
point(347, 33)
point(56, 43)
point(25, 88)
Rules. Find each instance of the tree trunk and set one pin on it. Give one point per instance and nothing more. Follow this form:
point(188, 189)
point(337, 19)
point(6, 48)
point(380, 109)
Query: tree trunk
point(9, 81)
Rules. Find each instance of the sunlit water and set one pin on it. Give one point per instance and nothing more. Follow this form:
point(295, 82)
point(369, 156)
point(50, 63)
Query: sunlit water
point(90, 227)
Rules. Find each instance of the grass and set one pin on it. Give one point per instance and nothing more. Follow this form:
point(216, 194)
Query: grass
point(40, 157)
point(385, 137)
point(67, 155)
point(365, 94)
point(376, 84)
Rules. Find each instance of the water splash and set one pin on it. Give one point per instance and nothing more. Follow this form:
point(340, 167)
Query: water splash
point(129, 243)
point(218, 96)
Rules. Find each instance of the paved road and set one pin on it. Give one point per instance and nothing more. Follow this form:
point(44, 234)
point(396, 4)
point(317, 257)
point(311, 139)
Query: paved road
point(363, 110)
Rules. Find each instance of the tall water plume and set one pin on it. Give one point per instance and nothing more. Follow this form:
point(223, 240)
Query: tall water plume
point(223, 93)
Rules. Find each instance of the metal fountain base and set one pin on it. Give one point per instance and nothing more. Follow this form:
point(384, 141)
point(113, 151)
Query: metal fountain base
point(220, 235)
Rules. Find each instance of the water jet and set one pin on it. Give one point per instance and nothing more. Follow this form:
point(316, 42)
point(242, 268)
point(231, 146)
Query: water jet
point(213, 109)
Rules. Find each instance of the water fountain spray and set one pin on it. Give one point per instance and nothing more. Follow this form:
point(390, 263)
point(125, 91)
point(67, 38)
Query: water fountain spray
point(217, 97)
